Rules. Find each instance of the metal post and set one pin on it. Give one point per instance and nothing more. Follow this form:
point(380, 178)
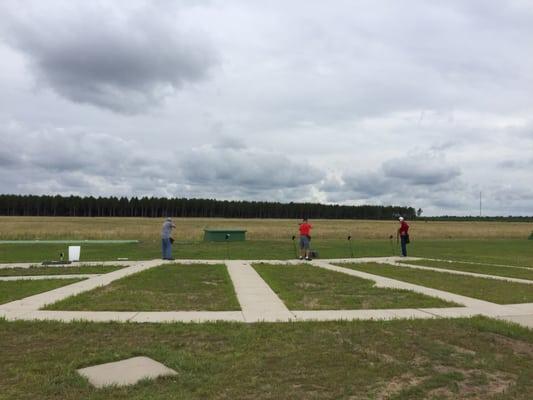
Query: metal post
point(351, 246)
point(227, 245)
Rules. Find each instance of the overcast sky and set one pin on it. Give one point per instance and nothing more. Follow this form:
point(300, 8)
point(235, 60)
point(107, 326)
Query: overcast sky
point(414, 102)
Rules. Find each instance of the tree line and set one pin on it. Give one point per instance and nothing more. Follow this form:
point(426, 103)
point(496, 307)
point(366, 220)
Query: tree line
point(156, 207)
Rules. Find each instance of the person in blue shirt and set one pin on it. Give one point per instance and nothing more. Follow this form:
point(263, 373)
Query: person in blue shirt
point(166, 239)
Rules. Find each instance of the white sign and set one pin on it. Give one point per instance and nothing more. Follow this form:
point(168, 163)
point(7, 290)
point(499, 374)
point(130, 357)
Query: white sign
point(74, 253)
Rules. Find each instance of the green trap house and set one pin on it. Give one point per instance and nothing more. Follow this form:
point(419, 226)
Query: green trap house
point(223, 235)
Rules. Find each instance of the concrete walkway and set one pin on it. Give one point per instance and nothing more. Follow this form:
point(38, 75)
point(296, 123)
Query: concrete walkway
point(457, 272)
point(396, 284)
point(46, 277)
point(258, 301)
point(74, 264)
point(41, 300)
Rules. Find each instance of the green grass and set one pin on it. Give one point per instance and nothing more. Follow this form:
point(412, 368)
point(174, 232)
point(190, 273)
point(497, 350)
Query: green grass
point(303, 287)
point(504, 251)
point(164, 288)
point(409, 360)
point(34, 271)
point(510, 272)
point(492, 290)
point(16, 290)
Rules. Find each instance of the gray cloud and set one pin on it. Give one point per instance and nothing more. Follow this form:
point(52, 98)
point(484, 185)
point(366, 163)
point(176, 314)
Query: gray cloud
point(249, 168)
point(126, 63)
point(420, 169)
point(74, 161)
point(365, 102)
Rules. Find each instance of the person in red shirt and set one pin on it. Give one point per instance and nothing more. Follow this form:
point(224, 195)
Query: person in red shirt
point(403, 235)
point(305, 239)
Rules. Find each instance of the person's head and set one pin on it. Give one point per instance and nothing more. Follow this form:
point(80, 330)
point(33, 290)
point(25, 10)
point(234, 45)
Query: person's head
point(400, 219)
point(168, 219)
point(304, 220)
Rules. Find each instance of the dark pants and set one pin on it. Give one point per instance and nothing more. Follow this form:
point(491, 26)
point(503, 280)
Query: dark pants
point(166, 248)
point(403, 241)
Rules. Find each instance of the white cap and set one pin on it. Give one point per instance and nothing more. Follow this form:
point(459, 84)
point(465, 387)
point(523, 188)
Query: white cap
point(401, 218)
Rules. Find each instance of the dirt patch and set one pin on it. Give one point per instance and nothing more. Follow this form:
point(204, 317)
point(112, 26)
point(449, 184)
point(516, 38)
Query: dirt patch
point(397, 384)
point(419, 361)
point(387, 358)
point(306, 285)
point(457, 349)
point(518, 346)
point(311, 303)
point(477, 384)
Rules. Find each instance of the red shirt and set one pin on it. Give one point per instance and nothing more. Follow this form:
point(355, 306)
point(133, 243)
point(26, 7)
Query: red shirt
point(305, 229)
point(404, 228)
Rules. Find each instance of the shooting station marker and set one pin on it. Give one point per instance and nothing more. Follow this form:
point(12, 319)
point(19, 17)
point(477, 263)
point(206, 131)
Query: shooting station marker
point(125, 372)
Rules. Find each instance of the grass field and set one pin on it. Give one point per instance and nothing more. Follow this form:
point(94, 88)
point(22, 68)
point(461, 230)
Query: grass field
point(16, 290)
point(495, 291)
point(257, 229)
point(164, 288)
point(508, 252)
point(520, 273)
point(441, 359)
point(473, 358)
point(303, 287)
point(486, 242)
point(34, 271)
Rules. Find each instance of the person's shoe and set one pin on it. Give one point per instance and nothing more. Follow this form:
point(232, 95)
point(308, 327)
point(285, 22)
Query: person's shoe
point(308, 259)
point(300, 258)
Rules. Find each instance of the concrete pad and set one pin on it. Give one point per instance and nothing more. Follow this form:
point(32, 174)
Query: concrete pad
point(452, 312)
point(75, 264)
point(457, 272)
point(266, 316)
point(71, 316)
point(12, 315)
point(524, 320)
point(396, 284)
point(384, 315)
point(475, 263)
point(188, 316)
point(44, 277)
point(125, 372)
point(258, 301)
point(524, 308)
point(41, 300)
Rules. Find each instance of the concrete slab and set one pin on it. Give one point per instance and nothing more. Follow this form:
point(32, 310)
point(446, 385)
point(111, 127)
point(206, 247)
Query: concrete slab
point(455, 272)
point(384, 315)
point(476, 263)
point(524, 308)
point(45, 277)
point(396, 284)
point(41, 300)
point(524, 320)
point(258, 301)
point(452, 312)
point(75, 264)
point(125, 372)
point(188, 316)
point(71, 316)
